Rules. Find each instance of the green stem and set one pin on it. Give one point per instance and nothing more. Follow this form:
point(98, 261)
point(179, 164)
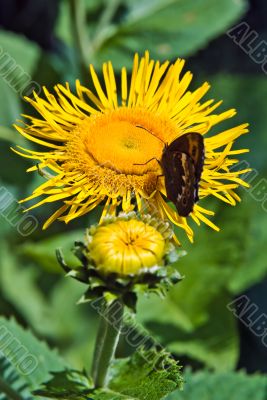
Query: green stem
point(10, 393)
point(104, 28)
point(78, 18)
point(107, 340)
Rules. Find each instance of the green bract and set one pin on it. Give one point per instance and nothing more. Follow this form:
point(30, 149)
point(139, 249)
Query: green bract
point(126, 287)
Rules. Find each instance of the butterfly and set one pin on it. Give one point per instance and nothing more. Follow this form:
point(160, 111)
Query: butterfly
point(182, 165)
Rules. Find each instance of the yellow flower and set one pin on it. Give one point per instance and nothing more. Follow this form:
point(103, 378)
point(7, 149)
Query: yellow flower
point(124, 255)
point(93, 142)
point(126, 247)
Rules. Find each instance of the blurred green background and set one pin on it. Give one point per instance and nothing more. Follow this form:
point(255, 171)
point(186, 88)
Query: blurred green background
point(193, 322)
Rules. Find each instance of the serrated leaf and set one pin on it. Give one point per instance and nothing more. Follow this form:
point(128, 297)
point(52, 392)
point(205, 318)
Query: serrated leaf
point(32, 358)
point(12, 380)
point(67, 384)
point(75, 385)
point(225, 386)
point(147, 375)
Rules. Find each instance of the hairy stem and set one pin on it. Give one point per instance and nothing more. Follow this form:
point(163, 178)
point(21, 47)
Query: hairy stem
point(107, 340)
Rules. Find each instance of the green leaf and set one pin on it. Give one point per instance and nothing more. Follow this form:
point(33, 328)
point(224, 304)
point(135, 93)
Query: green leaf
point(43, 252)
point(165, 311)
point(146, 375)
point(140, 25)
point(10, 108)
point(23, 292)
point(244, 241)
point(190, 321)
point(24, 51)
point(67, 384)
point(217, 267)
point(31, 358)
point(18, 58)
point(222, 386)
point(110, 395)
point(9, 195)
point(44, 313)
point(11, 381)
point(42, 306)
point(8, 134)
point(202, 300)
point(233, 89)
point(75, 385)
point(208, 342)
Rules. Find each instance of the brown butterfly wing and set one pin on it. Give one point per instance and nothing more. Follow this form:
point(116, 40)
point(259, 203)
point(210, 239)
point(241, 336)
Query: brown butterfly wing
point(182, 163)
point(191, 144)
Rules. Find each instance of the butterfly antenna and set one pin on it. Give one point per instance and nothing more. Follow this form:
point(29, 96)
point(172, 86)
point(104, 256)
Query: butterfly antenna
point(141, 127)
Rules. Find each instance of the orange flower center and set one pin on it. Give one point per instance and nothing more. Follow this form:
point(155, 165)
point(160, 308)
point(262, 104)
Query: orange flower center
point(128, 141)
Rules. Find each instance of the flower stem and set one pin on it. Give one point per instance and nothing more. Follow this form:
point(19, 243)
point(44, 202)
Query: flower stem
point(107, 340)
point(78, 26)
point(10, 393)
point(105, 28)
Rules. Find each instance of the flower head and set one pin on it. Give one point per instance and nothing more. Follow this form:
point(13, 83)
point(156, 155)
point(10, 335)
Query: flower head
point(127, 248)
point(97, 152)
point(124, 255)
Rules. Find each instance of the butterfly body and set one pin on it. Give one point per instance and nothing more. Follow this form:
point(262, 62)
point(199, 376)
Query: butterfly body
point(182, 163)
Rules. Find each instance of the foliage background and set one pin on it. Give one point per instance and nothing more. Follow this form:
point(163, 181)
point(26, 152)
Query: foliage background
point(193, 322)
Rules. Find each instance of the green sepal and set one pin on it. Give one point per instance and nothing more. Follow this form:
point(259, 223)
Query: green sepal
point(124, 287)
